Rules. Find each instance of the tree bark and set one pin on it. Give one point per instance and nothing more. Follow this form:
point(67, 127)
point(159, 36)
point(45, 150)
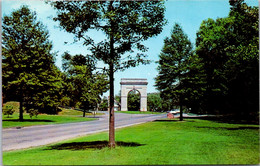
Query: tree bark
point(21, 109)
point(111, 108)
point(181, 109)
point(112, 143)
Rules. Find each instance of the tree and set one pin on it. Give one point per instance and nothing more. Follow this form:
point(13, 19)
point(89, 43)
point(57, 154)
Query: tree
point(104, 104)
point(86, 85)
point(154, 102)
point(242, 67)
point(212, 42)
point(173, 67)
point(29, 73)
point(125, 25)
point(228, 48)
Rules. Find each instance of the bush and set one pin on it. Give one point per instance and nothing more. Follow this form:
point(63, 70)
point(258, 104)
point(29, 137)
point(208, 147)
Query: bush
point(15, 104)
point(8, 110)
point(33, 112)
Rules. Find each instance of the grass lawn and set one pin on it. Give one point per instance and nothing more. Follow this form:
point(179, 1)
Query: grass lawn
point(75, 112)
point(155, 143)
point(40, 120)
point(139, 112)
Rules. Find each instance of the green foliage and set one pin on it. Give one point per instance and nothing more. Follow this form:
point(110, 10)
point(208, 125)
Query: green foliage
point(29, 74)
point(154, 102)
point(14, 104)
point(84, 86)
point(174, 63)
point(104, 104)
point(133, 101)
point(229, 51)
point(222, 76)
point(65, 101)
point(33, 112)
point(118, 97)
point(8, 110)
point(125, 23)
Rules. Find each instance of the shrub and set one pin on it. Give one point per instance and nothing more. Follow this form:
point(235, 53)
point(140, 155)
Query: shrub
point(15, 104)
point(33, 112)
point(8, 110)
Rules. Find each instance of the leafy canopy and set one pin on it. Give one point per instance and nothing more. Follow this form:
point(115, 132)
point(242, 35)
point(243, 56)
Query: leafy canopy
point(84, 86)
point(229, 52)
point(29, 73)
point(125, 25)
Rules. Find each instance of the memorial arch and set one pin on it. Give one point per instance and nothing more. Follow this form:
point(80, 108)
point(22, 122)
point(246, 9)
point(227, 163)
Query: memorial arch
point(129, 84)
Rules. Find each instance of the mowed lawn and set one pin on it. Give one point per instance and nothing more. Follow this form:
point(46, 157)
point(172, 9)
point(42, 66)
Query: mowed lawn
point(139, 112)
point(162, 142)
point(42, 119)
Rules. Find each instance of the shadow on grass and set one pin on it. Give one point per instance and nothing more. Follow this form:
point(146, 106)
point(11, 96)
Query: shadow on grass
point(167, 120)
point(225, 119)
point(227, 128)
point(28, 120)
point(243, 128)
point(90, 145)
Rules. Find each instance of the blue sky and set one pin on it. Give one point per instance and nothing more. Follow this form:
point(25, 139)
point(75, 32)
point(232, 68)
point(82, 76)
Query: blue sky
point(188, 13)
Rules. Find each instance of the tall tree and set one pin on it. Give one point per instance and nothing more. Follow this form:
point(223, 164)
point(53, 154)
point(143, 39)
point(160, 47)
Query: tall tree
point(125, 25)
point(173, 66)
point(87, 86)
point(29, 74)
point(229, 49)
point(212, 42)
point(242, 68)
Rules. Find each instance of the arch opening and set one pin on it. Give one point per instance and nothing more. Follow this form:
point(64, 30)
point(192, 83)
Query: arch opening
point(134, 100)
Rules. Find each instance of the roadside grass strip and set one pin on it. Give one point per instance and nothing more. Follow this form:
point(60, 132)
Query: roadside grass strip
point(73, 112)
point(139, 112)
point(41, 119)
point(160, 142)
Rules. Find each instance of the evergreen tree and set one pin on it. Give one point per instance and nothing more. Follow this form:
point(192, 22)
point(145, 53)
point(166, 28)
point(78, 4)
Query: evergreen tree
point(29, 74)
point(173, 67)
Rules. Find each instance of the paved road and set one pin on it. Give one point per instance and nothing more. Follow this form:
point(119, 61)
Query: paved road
point(26, 137)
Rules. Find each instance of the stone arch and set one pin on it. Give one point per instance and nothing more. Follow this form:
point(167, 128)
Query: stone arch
point(129, 84)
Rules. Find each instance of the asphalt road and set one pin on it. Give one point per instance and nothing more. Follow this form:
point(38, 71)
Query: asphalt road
point(13, 139)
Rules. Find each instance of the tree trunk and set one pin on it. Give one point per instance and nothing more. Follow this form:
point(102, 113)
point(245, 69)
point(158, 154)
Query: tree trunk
point(84, 110)
point(112, 143)
point(84, 113)
point(181, 113)
point(21, 109)
point(181, 109)
point(111, 108)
